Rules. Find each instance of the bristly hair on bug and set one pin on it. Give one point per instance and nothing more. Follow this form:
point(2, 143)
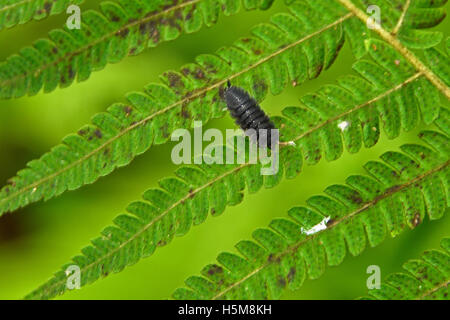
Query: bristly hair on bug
point(248, 113)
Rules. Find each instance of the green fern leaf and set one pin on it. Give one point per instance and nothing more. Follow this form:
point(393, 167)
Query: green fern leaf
point(398, 193)
point(121, 29)
point(389, 92)
point(126, 131)
point(428, 278)
point(268, 60)
point(13, 12)
point(196, 191)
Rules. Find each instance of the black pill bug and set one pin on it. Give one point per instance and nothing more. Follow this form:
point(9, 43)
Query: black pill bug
point(247, 112)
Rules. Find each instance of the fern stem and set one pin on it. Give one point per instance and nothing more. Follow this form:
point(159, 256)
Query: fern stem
point(389, 192)
point(393, 41)
point(402, 18)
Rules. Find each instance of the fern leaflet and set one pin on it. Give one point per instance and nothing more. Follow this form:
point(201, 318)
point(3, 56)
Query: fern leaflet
point(127, 130)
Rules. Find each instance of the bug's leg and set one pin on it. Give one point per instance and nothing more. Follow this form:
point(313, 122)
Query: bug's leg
point(228, 83)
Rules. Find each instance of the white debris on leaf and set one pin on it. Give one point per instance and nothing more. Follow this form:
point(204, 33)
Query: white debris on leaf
point(343, 125)
point(322, 225)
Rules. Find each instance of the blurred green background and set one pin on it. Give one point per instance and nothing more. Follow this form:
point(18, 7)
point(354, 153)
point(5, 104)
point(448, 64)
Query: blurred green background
point(37, 240)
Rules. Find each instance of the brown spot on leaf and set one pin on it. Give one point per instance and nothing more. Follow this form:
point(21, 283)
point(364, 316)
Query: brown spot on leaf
point(165, 130)
point(127, 110)
point(161, 243)
point(70, 72)
point(199, 74)
point(174, 80)
point(214, 270)
point(291, 274)
point(47, 7)
point(184, 112)
point(123, 33)
point(281, 282)
point(190, 13)
point(98, 133)
point(356, 198)
point(185, 71)
point(222, 92)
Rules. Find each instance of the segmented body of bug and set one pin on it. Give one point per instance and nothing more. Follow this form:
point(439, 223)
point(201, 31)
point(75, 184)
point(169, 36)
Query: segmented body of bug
point(248, 113)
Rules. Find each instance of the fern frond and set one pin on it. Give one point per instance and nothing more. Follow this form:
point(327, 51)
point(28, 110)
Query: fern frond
point(128, 130)
point(427, 278)
point(268, 60)
point(13, 12)
point(291, 48)
point(389, 91)
point(398, 193)
point(196, 191)
point(127, 28)
point(121, 29)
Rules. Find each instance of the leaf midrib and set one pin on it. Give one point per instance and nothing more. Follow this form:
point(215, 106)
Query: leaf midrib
point(164, 110)
point(368, 205)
